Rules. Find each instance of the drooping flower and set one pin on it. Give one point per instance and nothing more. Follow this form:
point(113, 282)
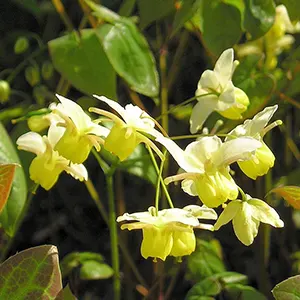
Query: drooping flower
point(48, 163)
point(129, 131)
point(217, 93)
point(263, 158)
point(246, 216)
point(81, 133)
point(168, 232)
point(206, 165)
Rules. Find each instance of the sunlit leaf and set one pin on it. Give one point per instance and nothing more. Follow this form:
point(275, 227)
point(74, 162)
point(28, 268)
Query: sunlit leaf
point(291, 194)
point(31, 274)
point(288, 289)
point(7, 172)
point(93, 270)
point(259, 17)
point(130, 55)
point(84, 63)
point(11, 213)
point(221, 25)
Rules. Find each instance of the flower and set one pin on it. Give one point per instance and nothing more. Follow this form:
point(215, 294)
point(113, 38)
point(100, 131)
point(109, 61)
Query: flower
point(206, 165)
point(168, 231)
point(48, 163)
point(262, 159)
point(80, 134)
point(217, 93)
point(246, 216)
point(129, 131)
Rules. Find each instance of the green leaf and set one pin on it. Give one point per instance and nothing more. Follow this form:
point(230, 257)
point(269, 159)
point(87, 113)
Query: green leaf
point(288, 289)
point(207, 287)
point(205, 261)
point(126, 8)
point(67, 294)
point(259, 17)
point(243, 292)
point(184, 13)
point(154, 10)
point(221, 25)
point(11, 213)
point(130, 55)
point(31, 274)
point(75, 259)
point(293, 8)
point(291, 194)
point(93, 270)
point(84, 63)
point(7, 172)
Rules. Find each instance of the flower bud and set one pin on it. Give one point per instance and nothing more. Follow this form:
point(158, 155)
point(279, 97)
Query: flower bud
point(21, 45)
point(40, 93)
point(4, 91)
point(32, 75)
point(47, 70)
point(38, 123)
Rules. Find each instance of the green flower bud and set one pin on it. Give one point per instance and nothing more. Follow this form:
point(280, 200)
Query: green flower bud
point(40, 93)
point(4, 91)
point(47, 70)
point(32, 75)
point(21, 45)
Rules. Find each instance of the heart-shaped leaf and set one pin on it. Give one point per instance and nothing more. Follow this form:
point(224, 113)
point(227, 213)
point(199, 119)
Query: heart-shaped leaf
point(31, 274)
point(288, 289)
point(93, 270)
point(290, 193)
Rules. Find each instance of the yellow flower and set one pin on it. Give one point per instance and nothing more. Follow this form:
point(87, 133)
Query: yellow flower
point(129, 131)
point(217, 93)
point(48, 164)
point(168, 232)
point(262, 159)
point(206, 165)
point(80, 134)
point(246, 216)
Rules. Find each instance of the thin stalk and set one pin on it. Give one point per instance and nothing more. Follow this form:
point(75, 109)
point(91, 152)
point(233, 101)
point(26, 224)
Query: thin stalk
point(157, 193)
point(160, 177)
point(87, 13)
point(113, 237)
point(64, 16)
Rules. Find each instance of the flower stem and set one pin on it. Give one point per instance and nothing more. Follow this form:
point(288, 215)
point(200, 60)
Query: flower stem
point(157, 193)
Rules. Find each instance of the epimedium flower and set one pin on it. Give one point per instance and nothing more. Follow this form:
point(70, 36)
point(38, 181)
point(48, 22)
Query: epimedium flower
point(129, 130)
point(262, 159)
point(246, 215)
point(217, 93)
point(168, 232)
point(48, 163)
point(81, 134)
point(206, 166)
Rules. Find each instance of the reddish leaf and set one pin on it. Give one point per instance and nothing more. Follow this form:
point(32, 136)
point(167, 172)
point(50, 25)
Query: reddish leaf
point(291, 194)
point(7, 172)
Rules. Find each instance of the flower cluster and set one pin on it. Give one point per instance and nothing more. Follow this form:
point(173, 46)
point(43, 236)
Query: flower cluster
point(204, 164)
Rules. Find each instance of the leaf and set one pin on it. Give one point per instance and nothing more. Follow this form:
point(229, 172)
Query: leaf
point(204, 262)
point(126, 8)
point(12, 211)
point(293, 8)
point(291, 194)
point(67, 293)
point(75, 259)
point(231, 277)
point(154, 10)
point(31, 274)
point(288, 289)
point(84, 63)
point(130, 55)
point(244, 292)
point(93, 270)
point(7, 172)
point(207, 287)
point(221, 25)
point(259, 17)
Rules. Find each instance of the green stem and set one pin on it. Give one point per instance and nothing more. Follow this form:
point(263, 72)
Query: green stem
point(160, 177)
point(113, 237)
point(157, 193)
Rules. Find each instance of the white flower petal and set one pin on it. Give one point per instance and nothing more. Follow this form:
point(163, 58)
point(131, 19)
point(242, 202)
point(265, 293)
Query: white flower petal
point(228, 213)
point(224, 66)
point(189, 187)
point(32, 142)
point(208, 80)
point(201, 111)
point(234, 150)
point(55, 133)
point(78, 171)
point(113, 104)
point(98, 130)
point(201, 212)
point(227, 98)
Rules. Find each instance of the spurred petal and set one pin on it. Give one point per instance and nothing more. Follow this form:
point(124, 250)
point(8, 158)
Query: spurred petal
point(201, 111)
point(113, 104)
point(189, 187)
point(262, 212)
point(228, 213)
point(32, 142)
